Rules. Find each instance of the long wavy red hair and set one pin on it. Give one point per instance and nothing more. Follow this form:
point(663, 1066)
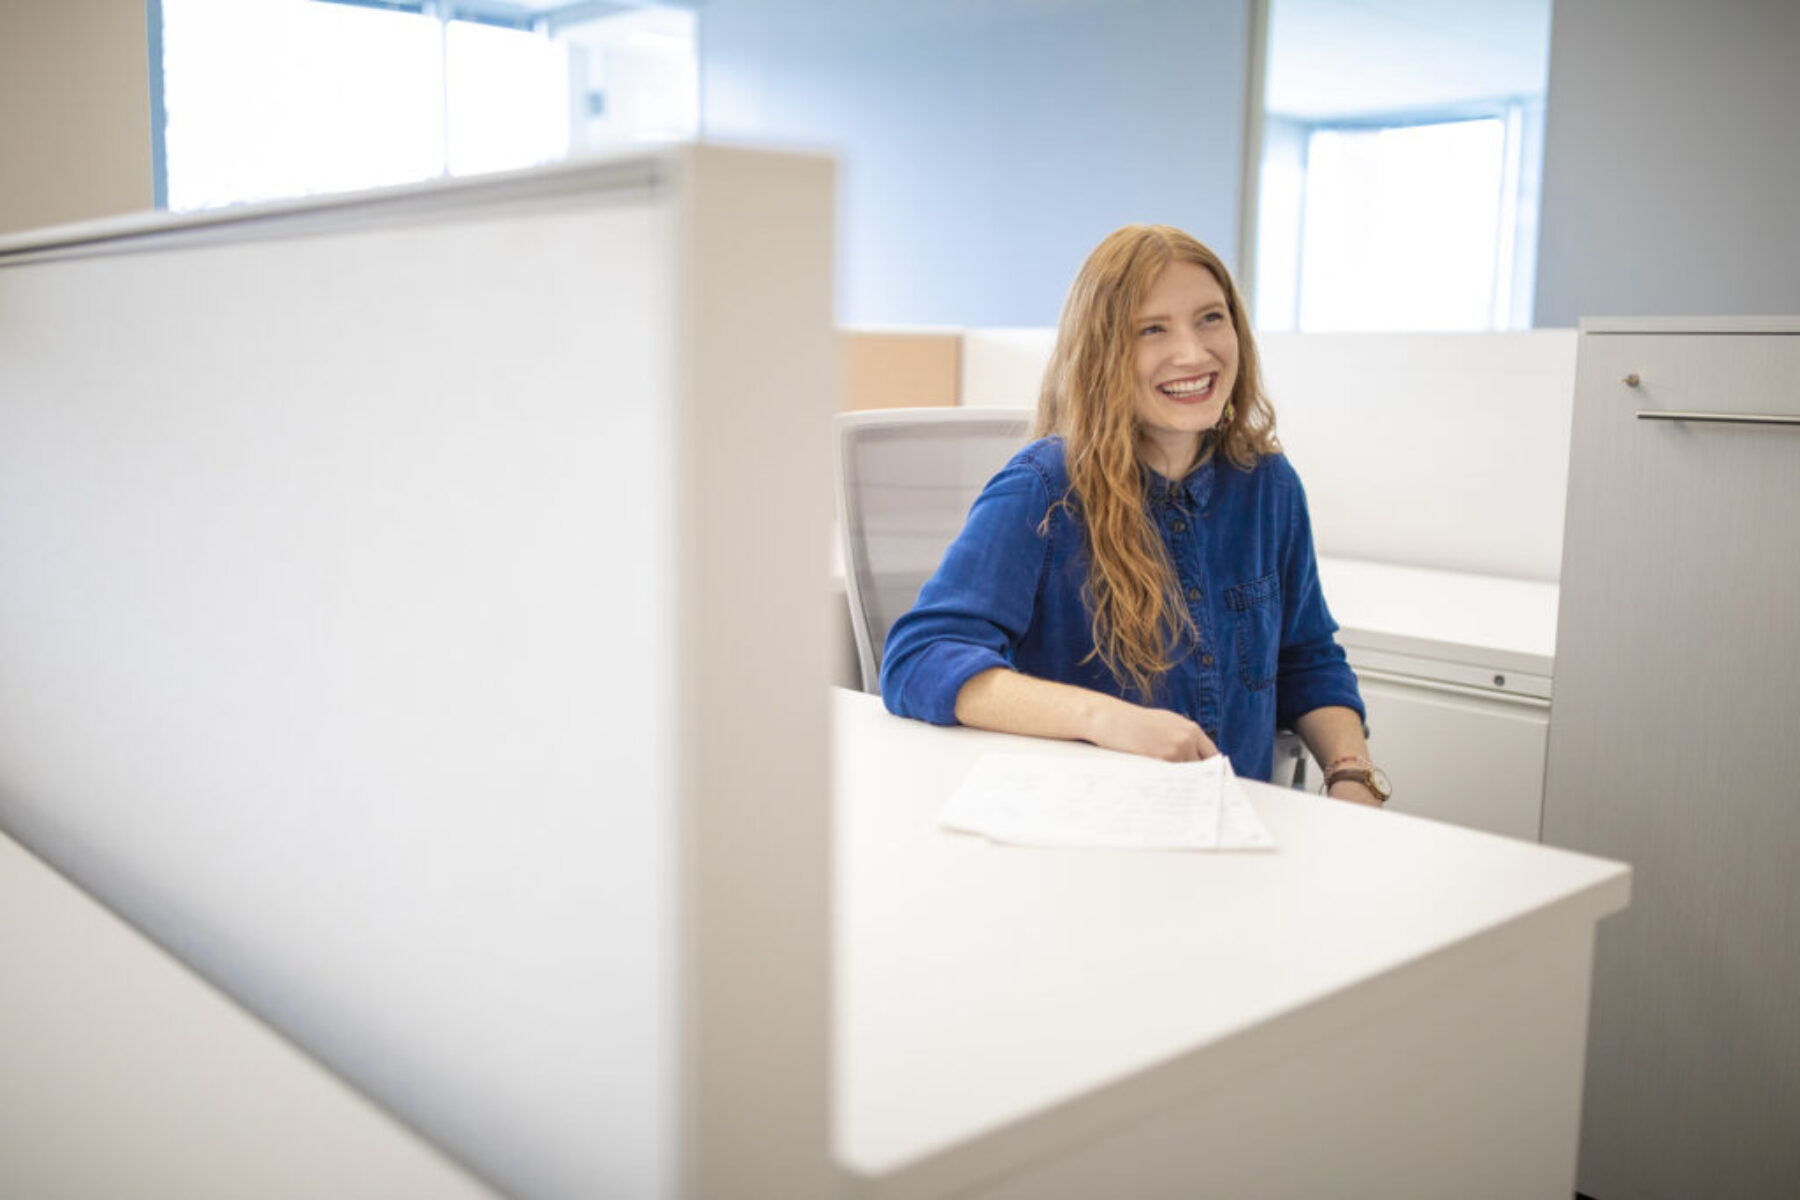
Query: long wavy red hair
point(1088, 399)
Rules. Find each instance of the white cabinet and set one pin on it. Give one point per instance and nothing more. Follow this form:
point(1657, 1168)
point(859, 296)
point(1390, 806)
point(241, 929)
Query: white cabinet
point(1458, 754)
point(1455, 670)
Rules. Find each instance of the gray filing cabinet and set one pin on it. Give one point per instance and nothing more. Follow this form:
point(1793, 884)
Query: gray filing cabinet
point(1675, 746)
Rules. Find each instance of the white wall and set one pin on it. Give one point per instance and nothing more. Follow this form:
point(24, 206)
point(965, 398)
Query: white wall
point(1671, 161)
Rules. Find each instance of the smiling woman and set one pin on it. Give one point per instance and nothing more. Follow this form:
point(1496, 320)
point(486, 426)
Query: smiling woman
point(1142, 575)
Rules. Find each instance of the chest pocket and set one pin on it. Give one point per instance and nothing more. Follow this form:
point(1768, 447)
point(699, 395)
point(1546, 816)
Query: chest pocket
point(1255, 609)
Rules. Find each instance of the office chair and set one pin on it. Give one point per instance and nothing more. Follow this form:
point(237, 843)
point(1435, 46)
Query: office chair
point(906, 478)
point(905, 481)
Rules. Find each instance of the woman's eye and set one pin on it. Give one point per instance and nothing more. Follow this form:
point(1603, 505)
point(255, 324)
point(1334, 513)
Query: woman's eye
point(1147, 330)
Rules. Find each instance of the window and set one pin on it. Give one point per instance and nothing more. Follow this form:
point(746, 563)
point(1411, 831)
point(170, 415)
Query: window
point(1399, 174)
point(271, 98)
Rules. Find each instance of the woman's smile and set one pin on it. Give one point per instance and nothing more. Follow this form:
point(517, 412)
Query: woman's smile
point(1192, 390)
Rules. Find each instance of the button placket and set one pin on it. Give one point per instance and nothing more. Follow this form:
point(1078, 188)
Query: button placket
point(1197, 670)
point(1208, 670)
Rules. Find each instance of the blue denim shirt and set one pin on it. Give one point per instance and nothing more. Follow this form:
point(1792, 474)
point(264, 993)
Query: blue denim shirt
point(1007, 595)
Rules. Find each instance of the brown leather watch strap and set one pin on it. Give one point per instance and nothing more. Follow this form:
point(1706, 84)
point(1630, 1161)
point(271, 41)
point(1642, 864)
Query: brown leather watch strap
point(1372, 778)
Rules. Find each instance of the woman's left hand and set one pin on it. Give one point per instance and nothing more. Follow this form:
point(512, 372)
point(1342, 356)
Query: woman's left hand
point(1354, 792)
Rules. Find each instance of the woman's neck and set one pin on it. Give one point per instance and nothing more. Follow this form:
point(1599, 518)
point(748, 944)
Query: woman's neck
point(1173, 458)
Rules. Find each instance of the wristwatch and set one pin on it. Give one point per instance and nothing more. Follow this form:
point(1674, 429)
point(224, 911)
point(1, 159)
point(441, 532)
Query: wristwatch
point(1370, 776)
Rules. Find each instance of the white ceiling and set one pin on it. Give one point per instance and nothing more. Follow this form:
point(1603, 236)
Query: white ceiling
point(1347, 58)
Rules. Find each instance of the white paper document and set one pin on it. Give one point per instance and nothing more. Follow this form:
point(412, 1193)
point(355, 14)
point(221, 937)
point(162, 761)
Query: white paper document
point(1139, 804)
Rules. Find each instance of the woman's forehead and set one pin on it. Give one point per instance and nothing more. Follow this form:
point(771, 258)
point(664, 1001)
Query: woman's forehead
point(1181, 284)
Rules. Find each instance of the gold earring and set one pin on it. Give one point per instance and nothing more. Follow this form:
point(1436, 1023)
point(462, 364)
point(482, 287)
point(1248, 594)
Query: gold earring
point(1229, 412)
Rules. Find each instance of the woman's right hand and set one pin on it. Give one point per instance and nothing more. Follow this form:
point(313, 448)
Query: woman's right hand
point(1002, 699)
point(1152, 732)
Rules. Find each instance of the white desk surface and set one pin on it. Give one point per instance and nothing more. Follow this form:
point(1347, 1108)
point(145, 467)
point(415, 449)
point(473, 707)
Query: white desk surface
point(995, 1003)
point(1451, 616)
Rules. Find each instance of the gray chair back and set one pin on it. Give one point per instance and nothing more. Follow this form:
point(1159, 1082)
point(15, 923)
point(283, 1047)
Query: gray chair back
point(905, 481)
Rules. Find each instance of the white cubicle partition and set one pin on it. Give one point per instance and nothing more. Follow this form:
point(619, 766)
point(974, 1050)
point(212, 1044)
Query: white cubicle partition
point(407, 617)
point(1004, 367)
point(1440, 450)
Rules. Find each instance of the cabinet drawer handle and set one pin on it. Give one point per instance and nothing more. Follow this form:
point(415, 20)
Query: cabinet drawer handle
point(1419, 683)
point(1722, 418)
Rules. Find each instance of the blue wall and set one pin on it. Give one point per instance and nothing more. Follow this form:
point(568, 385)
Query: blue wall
point(985, 146)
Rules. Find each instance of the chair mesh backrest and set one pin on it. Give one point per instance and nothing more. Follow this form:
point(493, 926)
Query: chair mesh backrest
point(906, 480)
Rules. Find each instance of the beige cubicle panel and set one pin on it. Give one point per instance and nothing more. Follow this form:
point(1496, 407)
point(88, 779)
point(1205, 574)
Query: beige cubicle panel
point(898, 368)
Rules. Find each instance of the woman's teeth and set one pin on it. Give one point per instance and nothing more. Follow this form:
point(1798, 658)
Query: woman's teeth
point(1187, 389)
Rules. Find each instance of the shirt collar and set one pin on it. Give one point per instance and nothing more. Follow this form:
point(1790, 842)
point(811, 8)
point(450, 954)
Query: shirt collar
point(1193, 490)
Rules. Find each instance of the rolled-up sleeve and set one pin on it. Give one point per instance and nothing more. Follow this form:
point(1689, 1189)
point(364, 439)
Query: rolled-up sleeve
point(1311, 671)
point(971, 614)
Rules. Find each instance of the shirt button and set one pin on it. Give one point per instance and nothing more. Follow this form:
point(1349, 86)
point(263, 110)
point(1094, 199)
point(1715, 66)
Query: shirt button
point(1193, 593)
point(1206, 660)
point(1180, 527)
